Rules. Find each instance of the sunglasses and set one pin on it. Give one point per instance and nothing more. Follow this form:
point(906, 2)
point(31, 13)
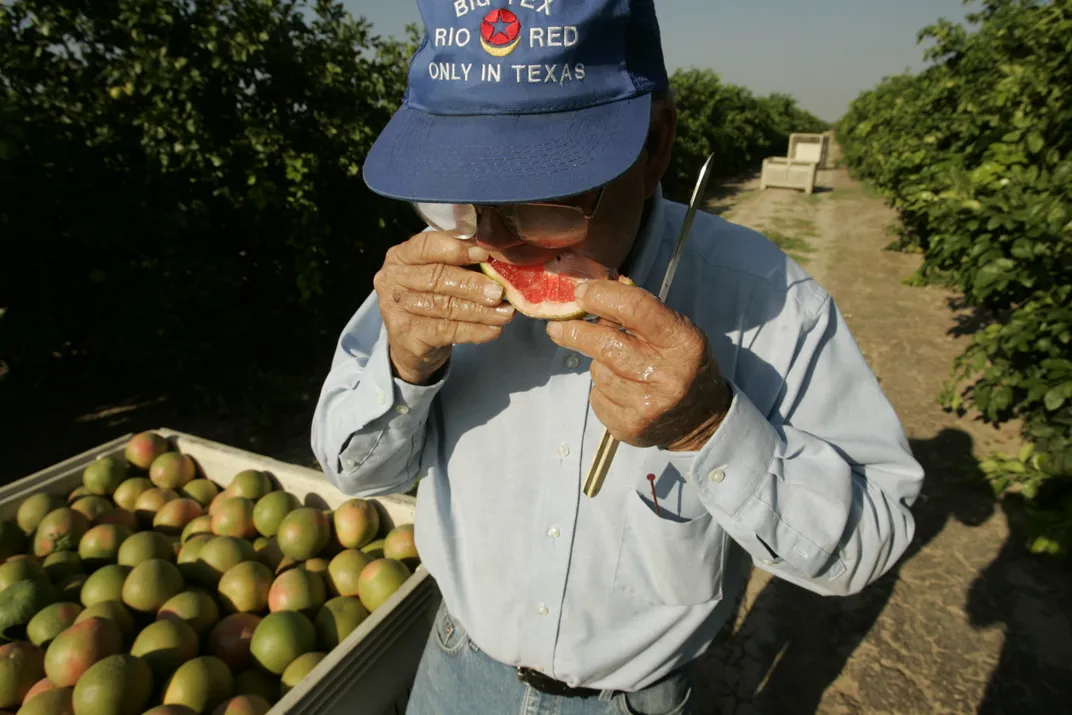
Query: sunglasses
point(547, 225)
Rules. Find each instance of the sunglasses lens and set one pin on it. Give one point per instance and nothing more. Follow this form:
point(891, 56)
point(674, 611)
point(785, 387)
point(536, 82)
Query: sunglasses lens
point(457, 219)
point(548, 226)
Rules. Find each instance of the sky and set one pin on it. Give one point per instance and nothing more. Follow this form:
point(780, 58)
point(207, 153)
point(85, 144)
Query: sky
point(823, 52)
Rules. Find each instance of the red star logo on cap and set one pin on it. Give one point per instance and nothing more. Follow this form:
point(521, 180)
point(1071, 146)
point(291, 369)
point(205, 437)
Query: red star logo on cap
point(500, 32)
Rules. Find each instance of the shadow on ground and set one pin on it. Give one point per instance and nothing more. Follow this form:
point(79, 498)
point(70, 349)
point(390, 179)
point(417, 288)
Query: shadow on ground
point(797, 643)
point(1027, 678)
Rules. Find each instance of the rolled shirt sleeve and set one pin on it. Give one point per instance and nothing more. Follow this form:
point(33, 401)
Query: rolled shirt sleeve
point(819, 491)
point(368, 427)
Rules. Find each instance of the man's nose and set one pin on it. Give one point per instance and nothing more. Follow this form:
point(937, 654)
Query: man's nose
point(492, 234)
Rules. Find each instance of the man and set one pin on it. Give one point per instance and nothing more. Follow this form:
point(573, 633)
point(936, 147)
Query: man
point(770, 441)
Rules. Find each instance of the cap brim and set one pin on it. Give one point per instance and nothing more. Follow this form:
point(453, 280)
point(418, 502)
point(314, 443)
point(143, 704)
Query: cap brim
point(506, 158)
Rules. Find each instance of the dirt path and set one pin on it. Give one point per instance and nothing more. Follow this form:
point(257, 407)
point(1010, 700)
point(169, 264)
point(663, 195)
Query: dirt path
point(968, 621)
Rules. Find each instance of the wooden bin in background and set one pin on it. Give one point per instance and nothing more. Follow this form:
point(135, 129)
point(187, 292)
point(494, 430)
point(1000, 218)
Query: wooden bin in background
point(786, 173)
point(371, 671)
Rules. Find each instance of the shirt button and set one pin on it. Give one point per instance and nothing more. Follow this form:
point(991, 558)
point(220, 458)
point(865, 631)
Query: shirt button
point(381, 397)
point(717, 475)
point(553, 532)
point(402, 410)
point(542, 610)
point(350, 463)
point(563, 450)
point(767, 562)
point(572, 361)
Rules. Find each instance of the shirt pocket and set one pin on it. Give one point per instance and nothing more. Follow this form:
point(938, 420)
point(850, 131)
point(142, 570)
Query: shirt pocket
point(669, 562)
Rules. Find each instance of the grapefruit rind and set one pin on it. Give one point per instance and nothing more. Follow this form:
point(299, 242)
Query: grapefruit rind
point(540, 311)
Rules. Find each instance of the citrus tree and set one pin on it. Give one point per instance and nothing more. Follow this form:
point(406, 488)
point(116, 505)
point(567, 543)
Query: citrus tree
point(180, 182)
point(974, 152)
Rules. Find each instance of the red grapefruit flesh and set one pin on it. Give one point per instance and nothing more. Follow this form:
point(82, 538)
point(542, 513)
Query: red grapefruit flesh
point(545, 291)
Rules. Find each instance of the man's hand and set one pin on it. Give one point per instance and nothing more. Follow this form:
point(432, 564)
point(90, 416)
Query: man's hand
point(429, 302)
point(656, 384)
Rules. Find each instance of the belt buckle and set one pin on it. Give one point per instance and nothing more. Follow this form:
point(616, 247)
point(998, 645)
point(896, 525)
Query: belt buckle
point(529, 676)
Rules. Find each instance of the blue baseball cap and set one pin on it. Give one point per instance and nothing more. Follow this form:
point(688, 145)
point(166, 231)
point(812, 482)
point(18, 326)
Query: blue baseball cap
point(509, 101)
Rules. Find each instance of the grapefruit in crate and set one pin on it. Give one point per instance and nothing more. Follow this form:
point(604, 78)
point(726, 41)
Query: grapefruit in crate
point(151, 588)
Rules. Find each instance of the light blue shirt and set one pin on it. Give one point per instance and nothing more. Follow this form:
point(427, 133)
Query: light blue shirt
point(809, 477)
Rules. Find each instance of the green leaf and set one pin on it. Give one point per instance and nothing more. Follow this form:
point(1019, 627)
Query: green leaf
point(1045, 545)
point(1054, 399)
point(1035, 142)
point(1025, 452)
point(1021, 248)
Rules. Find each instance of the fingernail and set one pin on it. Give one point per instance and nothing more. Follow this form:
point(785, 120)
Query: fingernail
point(554, 329)
point(505, 310)
point(493, 291)
point(478, 254)
point(580, 290)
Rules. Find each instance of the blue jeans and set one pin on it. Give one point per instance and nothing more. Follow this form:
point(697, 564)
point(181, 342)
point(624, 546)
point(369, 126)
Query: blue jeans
point(455, 677)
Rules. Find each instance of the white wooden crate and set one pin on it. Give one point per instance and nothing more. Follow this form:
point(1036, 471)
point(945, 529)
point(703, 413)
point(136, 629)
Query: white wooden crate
point(788, 173)
point(372, 670)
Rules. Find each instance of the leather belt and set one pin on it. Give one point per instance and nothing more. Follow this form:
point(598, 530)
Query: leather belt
point(545, 684)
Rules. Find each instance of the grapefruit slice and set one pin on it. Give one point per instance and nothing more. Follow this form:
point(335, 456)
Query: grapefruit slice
point(545, 291)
